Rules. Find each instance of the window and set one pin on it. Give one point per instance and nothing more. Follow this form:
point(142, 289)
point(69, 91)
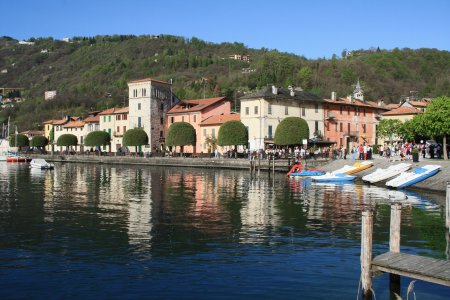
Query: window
point(364, 128)
point(109, 118)
point(139, 106)
point(161, 134)
point(340, 127)
point(316, 126)
point(195, 118)
point(348, 110)
point(213, 132)
point(139, 122)
point(364, 112)
point(162, 121)
point(134, 93)
point(256, 110)
point(286, 110)
point(81, 139)
point(269, 110)
point(161, 106)
point(270, 131)
point(182, 118)
point(109, 132)
point(303, 111)
point(341, 109)
point(335, 125)
point(204, 132)
point(144, 92)
point(247, 111)
point(356, 111)
point(125, 117)
point(171, 120)
point(118, 129)
point(104, 118)
point(124, 129)
point(348, 127)
point(316, 107)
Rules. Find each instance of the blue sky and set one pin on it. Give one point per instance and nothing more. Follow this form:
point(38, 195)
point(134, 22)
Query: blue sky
point(314, 28)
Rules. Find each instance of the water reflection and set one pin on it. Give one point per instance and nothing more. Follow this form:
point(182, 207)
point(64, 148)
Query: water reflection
point(167, 219)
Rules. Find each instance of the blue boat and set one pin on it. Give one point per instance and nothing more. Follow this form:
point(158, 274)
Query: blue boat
point(406, 179)
point(307, 173)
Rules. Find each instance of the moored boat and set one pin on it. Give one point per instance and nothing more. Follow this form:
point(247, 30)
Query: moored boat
point(298, 170)
point(356, 167)
point(41, 164)
point(18, 159)
point(406, 179)
point(330, 177)
point(383, 174)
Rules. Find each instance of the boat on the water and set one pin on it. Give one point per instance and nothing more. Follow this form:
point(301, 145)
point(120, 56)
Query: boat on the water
point(18, 159)
point(356, 167)
point(330, 177)
point(41, 164)
point(417, 175)
point(383, 174)
point(298, 170)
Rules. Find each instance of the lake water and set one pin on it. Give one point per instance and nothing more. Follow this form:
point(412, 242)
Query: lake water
point(109, 232)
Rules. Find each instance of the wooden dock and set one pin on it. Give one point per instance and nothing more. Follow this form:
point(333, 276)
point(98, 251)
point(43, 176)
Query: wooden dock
point(413, 266)
point(400, 264)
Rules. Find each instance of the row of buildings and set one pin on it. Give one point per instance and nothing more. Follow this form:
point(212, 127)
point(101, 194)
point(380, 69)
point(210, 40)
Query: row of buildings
point(340, 122)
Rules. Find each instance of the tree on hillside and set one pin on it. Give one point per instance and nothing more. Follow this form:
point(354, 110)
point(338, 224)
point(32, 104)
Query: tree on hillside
point(436, 120)
point(232, 133)
point(67, 140)
point(135, 137)
point(19, 140)
point(97, 138)
point(39, 141)
point(180, 134)
point(291, 131)
point(388, 128)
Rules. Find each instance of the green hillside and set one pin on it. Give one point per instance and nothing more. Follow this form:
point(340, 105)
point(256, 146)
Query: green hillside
point(92, 72)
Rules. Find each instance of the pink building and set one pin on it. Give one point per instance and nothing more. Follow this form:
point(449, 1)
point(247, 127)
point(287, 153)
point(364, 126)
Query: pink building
point(194, 112)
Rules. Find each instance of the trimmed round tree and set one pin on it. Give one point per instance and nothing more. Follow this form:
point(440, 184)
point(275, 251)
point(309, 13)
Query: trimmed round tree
point(39, 141)
point(97, 138)
point(67, 140)
point(135, 137)
point(22, 141)
point(232, 133)
point(180, 134)
point(291, 131)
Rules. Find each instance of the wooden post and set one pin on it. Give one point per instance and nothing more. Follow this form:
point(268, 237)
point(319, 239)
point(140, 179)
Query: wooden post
point(394, 245)
point(447, 207)
point(251, 167)
point(259, 165)
point(394, 238)
point(366, 253)
point(273, 165)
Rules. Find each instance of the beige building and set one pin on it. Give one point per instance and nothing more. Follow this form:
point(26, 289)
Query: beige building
point(403, 113)
point(209, 130)
point(262, 111)
point(149, 101)
point(76, 128)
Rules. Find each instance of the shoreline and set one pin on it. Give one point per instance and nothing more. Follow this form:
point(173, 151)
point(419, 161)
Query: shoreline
point(437, 183)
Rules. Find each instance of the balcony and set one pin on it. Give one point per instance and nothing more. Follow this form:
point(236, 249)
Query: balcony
point(117, 134)
point(331, 115)
point(352, 133)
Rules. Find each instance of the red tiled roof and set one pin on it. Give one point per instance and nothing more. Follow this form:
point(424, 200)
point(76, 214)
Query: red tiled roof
point(59, 122)
point(49, 122)
point(393, 105)
point(148, 79)
point(402, 110)
point(74, 124)
point(418, 103)
point(354, 102)
point(195, 105)
point(220, 119)
point(95, 119)
point(114, 110)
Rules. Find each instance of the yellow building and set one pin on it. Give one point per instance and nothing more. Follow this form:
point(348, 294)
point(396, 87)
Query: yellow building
point(209, 130)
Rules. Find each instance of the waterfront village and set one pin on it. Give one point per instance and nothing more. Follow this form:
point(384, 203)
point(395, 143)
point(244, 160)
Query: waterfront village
point(338, 126)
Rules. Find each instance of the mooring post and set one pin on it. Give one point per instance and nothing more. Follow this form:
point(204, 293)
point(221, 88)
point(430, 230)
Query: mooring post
point(259, 165)
point(394, 244)
point(273, 165)
point(447, 207)
point(366, 253)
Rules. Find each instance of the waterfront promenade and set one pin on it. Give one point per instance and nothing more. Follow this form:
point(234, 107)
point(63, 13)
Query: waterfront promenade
point(436, 183)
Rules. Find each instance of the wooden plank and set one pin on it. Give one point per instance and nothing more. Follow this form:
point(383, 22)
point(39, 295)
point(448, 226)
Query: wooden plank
point(414, 266)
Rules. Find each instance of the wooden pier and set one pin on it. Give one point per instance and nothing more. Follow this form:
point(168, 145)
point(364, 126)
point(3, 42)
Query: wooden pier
point(399, 264)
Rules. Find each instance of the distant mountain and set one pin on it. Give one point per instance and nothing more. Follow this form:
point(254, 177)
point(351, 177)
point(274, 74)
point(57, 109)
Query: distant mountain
point(92, 72)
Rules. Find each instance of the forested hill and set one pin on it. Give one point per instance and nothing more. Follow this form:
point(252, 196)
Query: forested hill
point(92, 72)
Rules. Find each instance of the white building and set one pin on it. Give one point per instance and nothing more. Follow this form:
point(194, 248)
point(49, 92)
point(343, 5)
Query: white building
point(149, 101)
point(49, 95)
point(262, 111)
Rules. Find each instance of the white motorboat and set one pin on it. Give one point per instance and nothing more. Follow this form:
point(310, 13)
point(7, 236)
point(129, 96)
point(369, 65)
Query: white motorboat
point(409, 178)
point(383, 174)
point(356, 167)
point(41, 164)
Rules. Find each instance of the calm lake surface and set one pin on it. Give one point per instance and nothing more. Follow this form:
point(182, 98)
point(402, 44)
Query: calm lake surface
point(99, 232)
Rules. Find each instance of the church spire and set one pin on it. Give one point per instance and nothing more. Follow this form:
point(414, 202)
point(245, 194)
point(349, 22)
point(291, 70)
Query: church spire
point(358, 93)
